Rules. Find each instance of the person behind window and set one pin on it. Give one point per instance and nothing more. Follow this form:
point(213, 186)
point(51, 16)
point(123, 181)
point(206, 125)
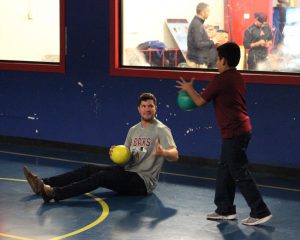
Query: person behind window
point(201, 51)
point(279, 21)
point(257, 38)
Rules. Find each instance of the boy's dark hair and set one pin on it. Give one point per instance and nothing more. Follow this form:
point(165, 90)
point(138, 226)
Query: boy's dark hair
point(147, 96)
point(231, 52)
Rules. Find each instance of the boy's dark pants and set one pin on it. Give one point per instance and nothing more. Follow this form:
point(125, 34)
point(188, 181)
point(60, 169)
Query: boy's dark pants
point(233, 171)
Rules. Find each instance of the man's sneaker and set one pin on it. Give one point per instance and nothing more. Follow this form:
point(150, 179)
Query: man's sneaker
point(32, 179)
point(255, 221)
point(216, 216)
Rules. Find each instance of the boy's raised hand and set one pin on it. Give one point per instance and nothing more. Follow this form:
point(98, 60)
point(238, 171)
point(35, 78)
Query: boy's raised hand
point(184, 85)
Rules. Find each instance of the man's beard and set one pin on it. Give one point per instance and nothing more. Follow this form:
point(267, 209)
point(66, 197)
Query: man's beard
point(149, 120)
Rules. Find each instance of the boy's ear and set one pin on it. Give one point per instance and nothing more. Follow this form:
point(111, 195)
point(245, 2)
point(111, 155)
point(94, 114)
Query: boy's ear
point(224, 61)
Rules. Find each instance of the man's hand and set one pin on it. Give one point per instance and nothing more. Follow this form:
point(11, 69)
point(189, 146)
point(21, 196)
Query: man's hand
point(110, 150)
point(171, 154)
point(159, 150)
point(268, 44)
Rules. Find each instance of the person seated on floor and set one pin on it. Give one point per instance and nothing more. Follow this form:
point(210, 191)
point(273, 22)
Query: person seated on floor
point(150, 143)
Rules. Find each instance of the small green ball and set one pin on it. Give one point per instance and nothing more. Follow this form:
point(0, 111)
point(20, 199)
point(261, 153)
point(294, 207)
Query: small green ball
point(185, 102)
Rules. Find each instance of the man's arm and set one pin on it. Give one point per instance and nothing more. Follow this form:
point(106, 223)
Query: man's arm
point(170, 154)
point(201, 38)
point(247, 39)
point(249, 42)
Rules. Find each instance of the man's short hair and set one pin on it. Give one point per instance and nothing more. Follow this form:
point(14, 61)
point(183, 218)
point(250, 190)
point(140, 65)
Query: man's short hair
point(231, 52)
point(201, 7)
point(147, 96)
point(260, 16)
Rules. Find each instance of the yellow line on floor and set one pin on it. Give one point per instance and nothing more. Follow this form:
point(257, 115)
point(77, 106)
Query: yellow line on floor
point(13, 237)
point(13, 179)
point(104, 214)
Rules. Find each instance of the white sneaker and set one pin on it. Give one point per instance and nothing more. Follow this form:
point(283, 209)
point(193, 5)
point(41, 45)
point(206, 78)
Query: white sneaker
point(255, 221)
point(216, 216)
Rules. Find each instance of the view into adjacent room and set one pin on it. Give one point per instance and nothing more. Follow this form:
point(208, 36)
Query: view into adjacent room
point(161, 41)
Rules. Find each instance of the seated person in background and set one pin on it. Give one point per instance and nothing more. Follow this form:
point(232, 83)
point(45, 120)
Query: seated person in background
point(220, 37)
point(257, 38)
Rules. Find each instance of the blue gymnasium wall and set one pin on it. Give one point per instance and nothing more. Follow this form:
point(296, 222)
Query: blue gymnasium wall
point(88, 106)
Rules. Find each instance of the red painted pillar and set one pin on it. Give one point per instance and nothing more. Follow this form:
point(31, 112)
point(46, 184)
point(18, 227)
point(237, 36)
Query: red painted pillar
point(239, 15)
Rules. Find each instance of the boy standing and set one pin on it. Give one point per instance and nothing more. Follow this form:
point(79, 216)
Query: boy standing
point(227, 91)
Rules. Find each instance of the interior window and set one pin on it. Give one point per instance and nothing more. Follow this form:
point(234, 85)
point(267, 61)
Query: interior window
point(167, 38)
point(32, 35)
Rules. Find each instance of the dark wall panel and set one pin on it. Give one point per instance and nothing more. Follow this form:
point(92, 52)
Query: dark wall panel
point(88, 106)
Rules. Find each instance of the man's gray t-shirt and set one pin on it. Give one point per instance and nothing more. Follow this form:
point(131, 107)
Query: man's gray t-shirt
point(142, 144)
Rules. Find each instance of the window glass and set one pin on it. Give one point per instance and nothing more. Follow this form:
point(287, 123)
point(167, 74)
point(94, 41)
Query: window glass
point(184, 34)
point(31, 32)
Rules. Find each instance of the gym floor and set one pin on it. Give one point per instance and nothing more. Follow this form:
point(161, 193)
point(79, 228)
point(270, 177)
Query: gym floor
point(176, 210)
